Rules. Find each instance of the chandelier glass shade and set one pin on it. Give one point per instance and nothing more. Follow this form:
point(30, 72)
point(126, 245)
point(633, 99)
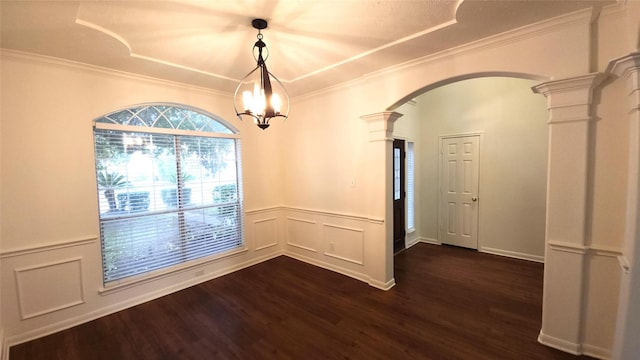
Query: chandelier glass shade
point(260, 95)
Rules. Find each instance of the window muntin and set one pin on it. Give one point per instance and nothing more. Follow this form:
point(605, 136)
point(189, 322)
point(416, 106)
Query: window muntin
point(165, 198)
point(166, 117)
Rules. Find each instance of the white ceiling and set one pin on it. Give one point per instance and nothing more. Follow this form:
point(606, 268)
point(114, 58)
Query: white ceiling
point(312, 44)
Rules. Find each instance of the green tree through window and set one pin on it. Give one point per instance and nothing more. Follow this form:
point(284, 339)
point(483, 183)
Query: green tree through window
point(160, 170)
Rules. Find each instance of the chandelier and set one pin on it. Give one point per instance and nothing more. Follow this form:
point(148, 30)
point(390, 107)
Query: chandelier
point(260, 94)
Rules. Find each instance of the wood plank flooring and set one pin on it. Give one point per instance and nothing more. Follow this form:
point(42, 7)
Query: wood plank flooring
point(449, 303)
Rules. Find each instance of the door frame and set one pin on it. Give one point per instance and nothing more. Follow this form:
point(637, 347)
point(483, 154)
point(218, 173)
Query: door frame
point(479, 134)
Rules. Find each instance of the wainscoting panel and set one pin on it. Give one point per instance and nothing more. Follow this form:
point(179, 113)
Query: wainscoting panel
point(589, 326)
point(603, 273)
point(50, 287)
point(46, 288)
point(566, 261)
point(54, 286)
point(265, 233)
point(302, 234)
point(344, 243)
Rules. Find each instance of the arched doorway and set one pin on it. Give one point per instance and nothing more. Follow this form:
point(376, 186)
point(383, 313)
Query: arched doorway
point(510, 120)
point(569, 102)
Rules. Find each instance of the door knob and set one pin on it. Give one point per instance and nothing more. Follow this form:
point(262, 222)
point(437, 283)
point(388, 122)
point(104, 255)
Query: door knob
point(474, 199)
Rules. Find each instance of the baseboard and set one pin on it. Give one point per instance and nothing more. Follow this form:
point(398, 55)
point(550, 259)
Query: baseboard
point(96, 314)
point(596, 352)
point(340, 270)
point(507, 253)
point(412, 242)
point(575, 349)
point(512, 254)
point(382, 286)
point(562, 345)
point(430, 241)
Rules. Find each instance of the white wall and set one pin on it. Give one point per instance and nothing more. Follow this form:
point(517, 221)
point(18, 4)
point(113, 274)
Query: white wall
point(50, 251)
point(513, 159)
point(327, 174)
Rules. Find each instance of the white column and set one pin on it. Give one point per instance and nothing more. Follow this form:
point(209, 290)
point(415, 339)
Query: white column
point(627, 341)
point(379, 247)
point(569, 104)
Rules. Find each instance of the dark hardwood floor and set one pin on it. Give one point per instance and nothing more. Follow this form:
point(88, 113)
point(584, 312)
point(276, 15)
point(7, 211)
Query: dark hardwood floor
point(449, 303)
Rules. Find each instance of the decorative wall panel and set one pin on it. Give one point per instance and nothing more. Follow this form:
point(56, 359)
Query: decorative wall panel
point(301, 234)
point(344, 243)
point(49, 287)
point(265, 233)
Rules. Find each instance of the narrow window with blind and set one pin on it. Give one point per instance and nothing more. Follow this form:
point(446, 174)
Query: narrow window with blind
point(169, 189)
point(411, 201)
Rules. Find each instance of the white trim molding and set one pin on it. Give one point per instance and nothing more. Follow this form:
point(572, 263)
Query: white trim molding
point(432, 241)
point(560, 344)
point(624, 264)
point(512, 254)
point(47, 247)
point(566, 246)
point(33, 281)
point(380, 125)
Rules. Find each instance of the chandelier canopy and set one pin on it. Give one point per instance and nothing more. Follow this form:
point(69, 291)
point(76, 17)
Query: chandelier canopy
point(260, 95)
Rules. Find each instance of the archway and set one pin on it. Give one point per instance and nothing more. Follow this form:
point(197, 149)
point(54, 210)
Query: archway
point(461, 77)
point(566, 248)
point(509, 122)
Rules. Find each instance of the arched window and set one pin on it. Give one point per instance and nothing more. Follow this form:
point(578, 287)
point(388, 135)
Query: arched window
point(169, 188)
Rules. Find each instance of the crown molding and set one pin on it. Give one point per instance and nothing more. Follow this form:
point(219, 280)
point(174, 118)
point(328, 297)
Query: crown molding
point(581, 17)
point(54, 61)
point(508, 37)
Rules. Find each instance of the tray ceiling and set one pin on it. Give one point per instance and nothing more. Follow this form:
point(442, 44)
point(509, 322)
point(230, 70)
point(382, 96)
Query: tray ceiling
point(312, 44)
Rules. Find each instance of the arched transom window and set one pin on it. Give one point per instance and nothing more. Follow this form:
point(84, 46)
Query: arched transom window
point(169, 189)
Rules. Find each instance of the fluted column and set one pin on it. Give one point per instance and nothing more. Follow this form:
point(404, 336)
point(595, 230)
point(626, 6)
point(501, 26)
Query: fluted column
point(570, 119)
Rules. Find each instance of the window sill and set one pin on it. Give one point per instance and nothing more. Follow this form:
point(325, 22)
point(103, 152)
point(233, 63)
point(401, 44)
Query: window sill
point(147, 278)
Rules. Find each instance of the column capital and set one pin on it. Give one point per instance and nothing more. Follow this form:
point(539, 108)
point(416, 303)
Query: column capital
point(624, 66)
point(569, 100)
point(381, 125)
point(628, 68)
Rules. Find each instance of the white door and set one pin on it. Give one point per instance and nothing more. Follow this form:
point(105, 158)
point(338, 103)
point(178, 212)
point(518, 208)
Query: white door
point(459, 190)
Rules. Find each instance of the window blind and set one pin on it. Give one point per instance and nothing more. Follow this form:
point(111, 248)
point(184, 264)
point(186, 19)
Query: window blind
point(410, 186)
point(165, 199)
